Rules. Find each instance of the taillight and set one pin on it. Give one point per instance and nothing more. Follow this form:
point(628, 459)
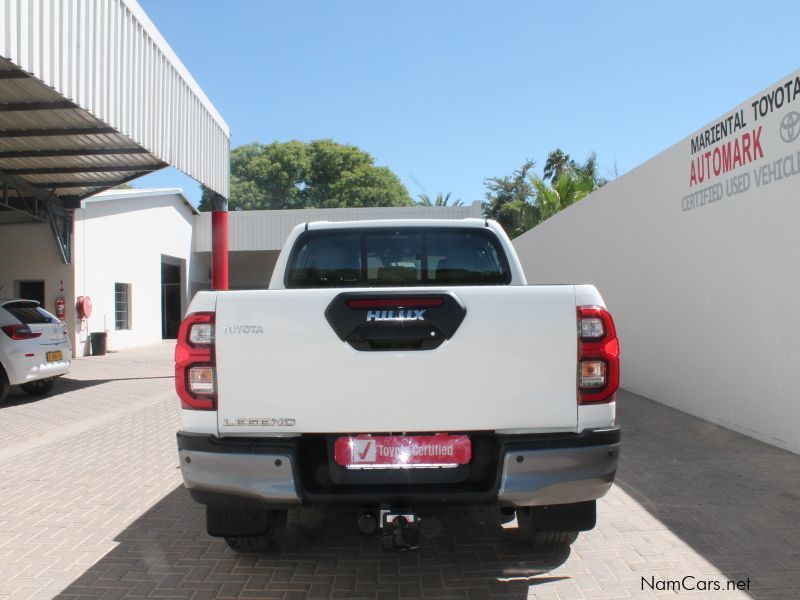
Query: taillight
point(598, 355)
point(195, 372)
point(20, 332)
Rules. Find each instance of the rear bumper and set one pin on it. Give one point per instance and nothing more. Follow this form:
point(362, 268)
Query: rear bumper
point(519, 470)
point(557, 476)
point(24, 369)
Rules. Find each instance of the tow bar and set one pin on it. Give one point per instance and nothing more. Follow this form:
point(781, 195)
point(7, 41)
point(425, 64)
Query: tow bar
point(399, 528)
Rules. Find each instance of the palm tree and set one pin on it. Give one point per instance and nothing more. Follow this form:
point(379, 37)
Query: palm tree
point(589, 170)
point(572, 186)
point(557, 162)
point(425, 200)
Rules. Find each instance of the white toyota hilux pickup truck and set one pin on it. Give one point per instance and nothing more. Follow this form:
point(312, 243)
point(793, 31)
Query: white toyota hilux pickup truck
point(394, 365)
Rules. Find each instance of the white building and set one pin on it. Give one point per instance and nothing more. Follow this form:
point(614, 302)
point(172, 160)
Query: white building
point(133, 258)
point(141, 254)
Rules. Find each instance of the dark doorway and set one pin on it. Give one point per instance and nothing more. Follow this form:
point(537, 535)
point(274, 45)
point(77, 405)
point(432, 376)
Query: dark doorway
point(31, 290)
point(170, 300)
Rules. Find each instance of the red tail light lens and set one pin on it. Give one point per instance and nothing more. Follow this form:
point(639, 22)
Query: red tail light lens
point(20, 332)
point(598, 356)
point(195, 373)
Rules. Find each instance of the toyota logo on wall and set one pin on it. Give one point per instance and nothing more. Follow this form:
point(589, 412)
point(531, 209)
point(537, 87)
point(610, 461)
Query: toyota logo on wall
point(790, 127)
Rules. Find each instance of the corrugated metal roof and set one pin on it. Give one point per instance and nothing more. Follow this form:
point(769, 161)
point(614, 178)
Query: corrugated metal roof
point(91, 95)
point(268, 229)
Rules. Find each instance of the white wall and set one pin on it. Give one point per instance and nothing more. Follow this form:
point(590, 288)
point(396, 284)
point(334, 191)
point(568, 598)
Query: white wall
point(28, 251)
point(705, 294)
point(123, 241)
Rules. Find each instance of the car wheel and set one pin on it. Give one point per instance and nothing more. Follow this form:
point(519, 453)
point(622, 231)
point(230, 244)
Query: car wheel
point(262, 543)
point(38, 387)
point(5, 387)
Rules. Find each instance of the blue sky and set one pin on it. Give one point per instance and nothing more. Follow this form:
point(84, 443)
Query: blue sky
point(449, 93)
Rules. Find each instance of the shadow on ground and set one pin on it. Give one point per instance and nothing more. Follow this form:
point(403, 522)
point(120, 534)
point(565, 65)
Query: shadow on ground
point(63, 385)
point(732, 499)
point(464, 554)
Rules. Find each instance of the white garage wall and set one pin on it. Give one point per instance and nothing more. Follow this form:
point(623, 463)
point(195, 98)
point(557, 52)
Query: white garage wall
point(705, 294)
point(122, 241)
point(28, 251)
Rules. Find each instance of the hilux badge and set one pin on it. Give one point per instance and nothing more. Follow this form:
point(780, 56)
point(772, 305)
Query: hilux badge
point(400, 315)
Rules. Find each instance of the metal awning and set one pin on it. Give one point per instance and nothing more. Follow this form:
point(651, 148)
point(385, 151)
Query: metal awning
point(50, 148)
point(92, 96)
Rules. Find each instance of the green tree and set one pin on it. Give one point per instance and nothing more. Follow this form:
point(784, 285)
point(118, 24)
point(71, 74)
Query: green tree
point(440, 200)
point(589, 170)
point(509, 201)
point(317, 174)
point(522, 200)
point(568, 189)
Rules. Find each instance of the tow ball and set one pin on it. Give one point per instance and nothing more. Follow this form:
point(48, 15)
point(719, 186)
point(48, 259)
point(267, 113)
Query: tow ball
point(399, 528)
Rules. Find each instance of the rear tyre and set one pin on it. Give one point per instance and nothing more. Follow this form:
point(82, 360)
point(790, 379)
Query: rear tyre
point(5, 387)
point(526, 521)
point(263, 542)
point(39, 387)
point(557, 525)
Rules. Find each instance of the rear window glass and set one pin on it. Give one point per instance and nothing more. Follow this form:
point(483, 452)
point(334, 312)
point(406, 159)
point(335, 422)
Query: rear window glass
point(28, 313)
point(396, 257)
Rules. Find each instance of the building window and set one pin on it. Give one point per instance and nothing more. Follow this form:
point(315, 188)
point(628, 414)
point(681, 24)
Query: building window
point(122, 306)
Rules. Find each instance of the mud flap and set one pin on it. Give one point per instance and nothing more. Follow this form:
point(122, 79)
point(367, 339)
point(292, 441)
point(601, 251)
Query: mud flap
point(580, 516)
point(225, 522)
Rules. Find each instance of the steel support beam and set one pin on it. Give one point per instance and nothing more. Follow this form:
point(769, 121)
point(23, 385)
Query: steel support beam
point(55, 153)
point(219, 244)
point(84, 169)
point(60, 221)
point(53, 185)
point(26, 106)
point(41, 206)
point(56, 131)
point(27, 206)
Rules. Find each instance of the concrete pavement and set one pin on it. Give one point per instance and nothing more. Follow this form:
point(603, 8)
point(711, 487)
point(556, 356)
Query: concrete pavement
point(91, 506)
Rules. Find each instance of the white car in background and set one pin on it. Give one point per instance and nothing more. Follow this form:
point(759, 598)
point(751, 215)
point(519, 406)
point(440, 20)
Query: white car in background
point(34, 347)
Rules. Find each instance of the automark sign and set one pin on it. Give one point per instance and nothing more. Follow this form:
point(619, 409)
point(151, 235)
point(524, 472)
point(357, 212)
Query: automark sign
point(741, 151)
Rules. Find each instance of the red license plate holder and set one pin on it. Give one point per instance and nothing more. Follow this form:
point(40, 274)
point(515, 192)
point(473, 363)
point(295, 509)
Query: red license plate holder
point(402, 451)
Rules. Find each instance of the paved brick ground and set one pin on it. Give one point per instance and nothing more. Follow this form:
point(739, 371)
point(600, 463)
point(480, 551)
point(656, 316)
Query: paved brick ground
point(91, 507)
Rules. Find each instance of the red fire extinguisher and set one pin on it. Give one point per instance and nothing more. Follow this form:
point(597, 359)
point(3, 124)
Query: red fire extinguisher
point(60, 308)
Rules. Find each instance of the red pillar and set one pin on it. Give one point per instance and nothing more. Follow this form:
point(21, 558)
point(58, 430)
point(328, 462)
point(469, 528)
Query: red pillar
point(219, 250)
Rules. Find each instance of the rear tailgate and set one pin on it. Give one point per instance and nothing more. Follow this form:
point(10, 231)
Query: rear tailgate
point(511, 364)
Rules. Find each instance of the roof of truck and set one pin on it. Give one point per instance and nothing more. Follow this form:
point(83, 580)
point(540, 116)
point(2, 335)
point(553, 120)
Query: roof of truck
point(380, 223)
